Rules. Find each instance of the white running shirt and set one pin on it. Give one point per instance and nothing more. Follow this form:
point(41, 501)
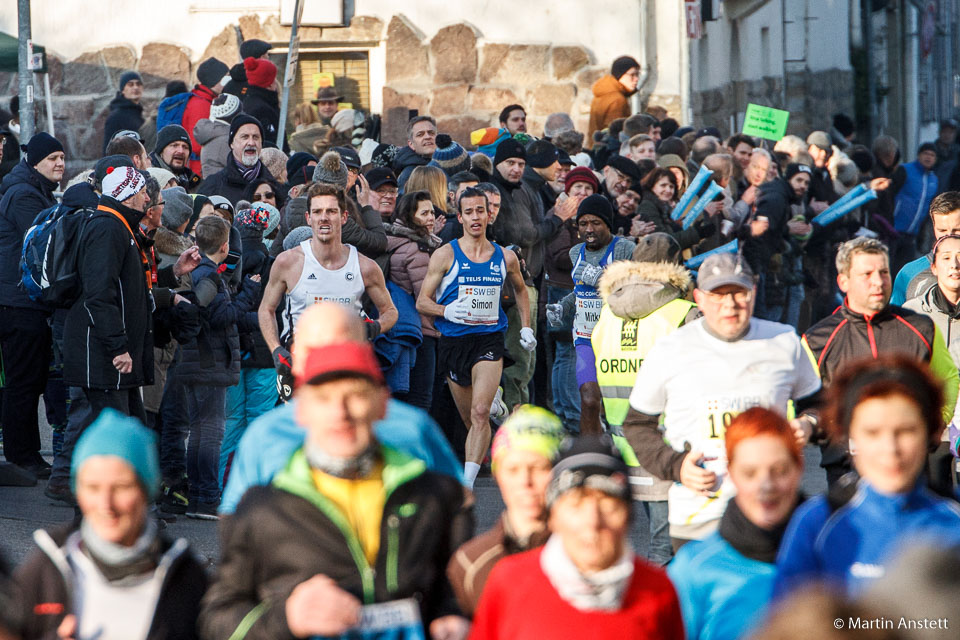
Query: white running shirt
point(700, 383)
point(316, 284)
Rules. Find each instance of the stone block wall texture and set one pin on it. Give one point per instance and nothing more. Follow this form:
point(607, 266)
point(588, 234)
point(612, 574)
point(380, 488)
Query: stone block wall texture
point(811, 98)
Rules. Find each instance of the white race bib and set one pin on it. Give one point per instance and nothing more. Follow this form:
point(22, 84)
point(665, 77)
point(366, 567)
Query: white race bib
point(587, 315)
point(483, 303)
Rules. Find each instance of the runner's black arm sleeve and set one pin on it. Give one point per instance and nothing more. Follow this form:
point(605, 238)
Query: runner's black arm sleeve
point(642, 431)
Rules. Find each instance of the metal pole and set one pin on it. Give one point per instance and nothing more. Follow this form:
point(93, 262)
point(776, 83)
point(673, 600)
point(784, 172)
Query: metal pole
point(23, 72)
point(49, 99)
point(291, 70)
point(866, 17)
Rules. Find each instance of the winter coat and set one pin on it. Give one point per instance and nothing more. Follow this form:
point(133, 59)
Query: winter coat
point(470, 566)
point(770, 254)
point(46, 581)
point(230, 183)
point(256, 261)
point(538, 185)
point(198, 107)
point(24, 193)
point(113, 314)
point(212, 136)
point(913, 200)
point(409, 258)
point(609, 103)
point(124, 114)
point(285, 533)
point(186, 177)
point(168, 245)
point(520, 603)
point(405, 162)
point(367, 235)
point(264, 105)
point(519, 224)
point(932, 303)
point(652, 209)
point(212, 359)
point(556, 264)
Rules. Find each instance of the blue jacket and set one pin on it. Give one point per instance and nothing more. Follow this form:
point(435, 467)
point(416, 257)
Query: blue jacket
point(272, 438)
point(852, 545)
point(23, 194)
point(213, 358)
point(913, 200)
point(398, 347)
point(723, 594)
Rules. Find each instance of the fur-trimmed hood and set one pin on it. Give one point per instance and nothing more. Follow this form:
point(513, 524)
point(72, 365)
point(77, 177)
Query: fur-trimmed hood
point(637, 289)
point(170, 242)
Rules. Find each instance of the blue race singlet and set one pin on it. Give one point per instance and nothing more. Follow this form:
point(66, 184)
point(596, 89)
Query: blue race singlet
point(481, 283)
point(588, 301)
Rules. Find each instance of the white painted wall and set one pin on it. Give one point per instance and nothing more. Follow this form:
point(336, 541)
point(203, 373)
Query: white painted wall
point(609, 28)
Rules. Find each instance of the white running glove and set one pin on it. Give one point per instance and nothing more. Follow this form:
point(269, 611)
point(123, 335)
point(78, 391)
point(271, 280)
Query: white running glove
point(588, 274)
point(555, 315)
point(527, 340)
point(457, 311)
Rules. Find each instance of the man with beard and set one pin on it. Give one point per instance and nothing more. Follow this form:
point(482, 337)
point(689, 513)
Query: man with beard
point(173, 154)
point(421, 143)
point(513, 118)
point(243, 164)
point(599, 247)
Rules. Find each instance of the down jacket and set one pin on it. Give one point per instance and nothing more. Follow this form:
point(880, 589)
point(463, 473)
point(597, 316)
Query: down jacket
point(114, 312)
point(609, 103)
point(45, 590)
point(409, 258)
point(212, 135)
point(213, 358)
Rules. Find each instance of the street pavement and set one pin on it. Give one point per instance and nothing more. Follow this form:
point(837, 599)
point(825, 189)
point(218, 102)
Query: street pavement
point(23, 510)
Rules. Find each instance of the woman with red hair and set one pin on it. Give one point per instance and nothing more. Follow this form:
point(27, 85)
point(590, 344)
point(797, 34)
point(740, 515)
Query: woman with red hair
point(889, 409)
point(725, 581)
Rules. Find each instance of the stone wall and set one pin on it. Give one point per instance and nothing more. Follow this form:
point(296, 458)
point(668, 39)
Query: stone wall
point(811, 98)
point(464, 83)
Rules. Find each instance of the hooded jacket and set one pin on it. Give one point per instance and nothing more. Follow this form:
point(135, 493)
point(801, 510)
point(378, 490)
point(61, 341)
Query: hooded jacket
point(124, 114)
point(24, 193)
point(630, 291)
point(405, 162)
point(113, 314)
point(609, 103)
point(932, 303)
point(212, 136)
point(198, 106)
point(168, 245)
point(409, 258)
point(46, 578)
point(286, 533)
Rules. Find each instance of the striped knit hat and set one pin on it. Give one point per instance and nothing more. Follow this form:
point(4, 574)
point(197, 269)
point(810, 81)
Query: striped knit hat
point(450, 156)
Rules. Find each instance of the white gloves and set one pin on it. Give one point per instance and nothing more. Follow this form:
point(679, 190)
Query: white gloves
point(457, 311)
point(587, 273)
point(555, 314)
point(527, 340)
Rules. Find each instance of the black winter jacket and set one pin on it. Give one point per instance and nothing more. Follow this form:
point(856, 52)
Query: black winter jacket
point(113, 314)
point(286, 533)
point(24, 193)
point(519, 223)
point(256, 261)
point(124, 114)
point(45, 590)
point(212, 359)
point(405, 162)
point(229, 182)
point(264, 105)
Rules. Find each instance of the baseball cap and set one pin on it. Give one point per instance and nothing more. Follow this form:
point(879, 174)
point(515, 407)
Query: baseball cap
point(379, 176)
point(344, 360)
point(724, 269)
point(349, 156)
point(591, 462)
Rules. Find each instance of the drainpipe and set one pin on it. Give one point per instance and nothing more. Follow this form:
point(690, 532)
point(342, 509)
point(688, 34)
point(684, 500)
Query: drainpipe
point(911, 50)
point(686, 77)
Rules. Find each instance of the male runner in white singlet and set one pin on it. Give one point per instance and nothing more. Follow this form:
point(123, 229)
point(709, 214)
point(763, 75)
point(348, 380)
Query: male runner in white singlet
point(462, 290)
point(321, 268)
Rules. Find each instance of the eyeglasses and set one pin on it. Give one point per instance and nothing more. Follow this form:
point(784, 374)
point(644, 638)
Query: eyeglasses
point(387, 193)
point(263, 196)
point(739, 296)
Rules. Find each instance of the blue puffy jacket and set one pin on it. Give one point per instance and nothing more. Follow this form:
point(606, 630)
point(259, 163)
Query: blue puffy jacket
point(913, 200)
point(853, 544)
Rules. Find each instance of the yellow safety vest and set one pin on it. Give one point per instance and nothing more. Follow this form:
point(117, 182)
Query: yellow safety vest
point(620, 345)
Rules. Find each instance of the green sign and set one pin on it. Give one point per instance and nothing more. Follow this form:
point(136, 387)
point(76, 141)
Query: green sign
point(765, 122)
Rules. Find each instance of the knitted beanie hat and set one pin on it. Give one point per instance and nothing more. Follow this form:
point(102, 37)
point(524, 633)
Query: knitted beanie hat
point(331, 170)
point(114, 434)
point(121, 183)
point(224, 107)
point(450, 156)
point(260, 72)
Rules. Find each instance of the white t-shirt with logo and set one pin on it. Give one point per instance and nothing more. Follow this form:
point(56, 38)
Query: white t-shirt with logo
point(700, 383)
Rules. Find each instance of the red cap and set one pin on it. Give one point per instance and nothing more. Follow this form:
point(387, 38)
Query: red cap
point(346, 359)
point(260, 72)
point(581, 174)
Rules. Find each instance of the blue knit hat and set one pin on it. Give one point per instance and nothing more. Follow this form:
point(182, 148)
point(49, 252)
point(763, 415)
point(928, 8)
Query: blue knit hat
point(114, 434)
point(450, 156)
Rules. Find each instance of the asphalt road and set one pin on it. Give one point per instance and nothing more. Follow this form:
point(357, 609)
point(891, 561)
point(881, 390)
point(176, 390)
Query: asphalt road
point(23, 510)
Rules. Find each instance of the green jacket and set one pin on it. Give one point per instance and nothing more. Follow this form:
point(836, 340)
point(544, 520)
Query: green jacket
point(288, 532)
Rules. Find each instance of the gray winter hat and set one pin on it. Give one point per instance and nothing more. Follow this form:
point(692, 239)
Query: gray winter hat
point(296, 236)
point(331, 169)
point(177, 209)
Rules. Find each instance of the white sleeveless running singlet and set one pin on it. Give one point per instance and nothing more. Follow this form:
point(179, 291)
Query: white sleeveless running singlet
point(316, 284)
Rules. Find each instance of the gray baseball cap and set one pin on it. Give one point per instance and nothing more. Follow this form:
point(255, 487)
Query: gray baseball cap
point(724, 269)
point(819, 139)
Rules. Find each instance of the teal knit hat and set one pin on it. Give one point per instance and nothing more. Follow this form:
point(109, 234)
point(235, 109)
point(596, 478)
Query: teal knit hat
point(114, 434)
